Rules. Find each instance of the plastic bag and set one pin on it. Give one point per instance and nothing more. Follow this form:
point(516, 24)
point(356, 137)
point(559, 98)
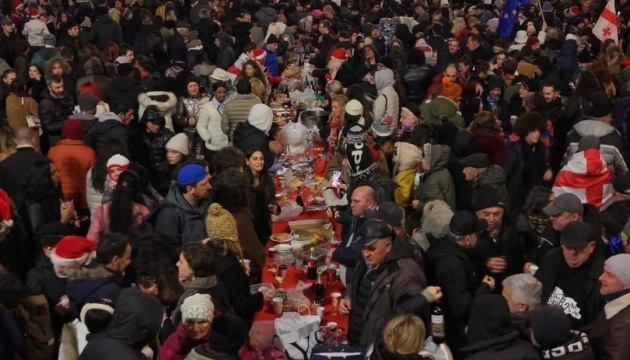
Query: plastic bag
point(294, 135)
point(289, 211)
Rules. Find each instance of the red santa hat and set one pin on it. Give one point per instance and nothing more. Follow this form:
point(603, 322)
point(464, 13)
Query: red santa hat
point(73, 250)
point(34, 12)
point(5, 209)
point(574, 10)
point(118, 161)
point(259, 54)
point(339, 55)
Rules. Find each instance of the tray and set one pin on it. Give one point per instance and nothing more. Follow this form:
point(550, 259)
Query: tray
point(307, 228)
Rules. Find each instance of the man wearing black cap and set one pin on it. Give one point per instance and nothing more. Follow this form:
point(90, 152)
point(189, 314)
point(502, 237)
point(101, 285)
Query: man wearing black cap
point(617, 214)
point(570, 275)
point(450, 267)
point(386, 282)
point(479, 172)
point(271, 60)
point(177, 43)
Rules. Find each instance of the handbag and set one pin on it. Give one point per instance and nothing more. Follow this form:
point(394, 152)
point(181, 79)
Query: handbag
point(298, 334)
point(34, 122)
point(336, 352)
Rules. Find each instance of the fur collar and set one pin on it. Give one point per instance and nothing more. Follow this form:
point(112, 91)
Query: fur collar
point(166, 107)
point(75, 273)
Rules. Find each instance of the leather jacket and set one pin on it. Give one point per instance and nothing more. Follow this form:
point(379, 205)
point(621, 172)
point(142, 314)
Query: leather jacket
point(417, 81)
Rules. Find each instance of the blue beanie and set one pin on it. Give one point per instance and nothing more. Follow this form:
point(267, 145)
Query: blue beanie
point(191, 174)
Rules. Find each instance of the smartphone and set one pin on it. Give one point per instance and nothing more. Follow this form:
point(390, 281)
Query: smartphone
point(335, 179)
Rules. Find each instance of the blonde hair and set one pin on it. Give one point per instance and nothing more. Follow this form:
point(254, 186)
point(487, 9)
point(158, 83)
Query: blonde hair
point(458, 26)
point(259, 89)
point(342, 100)
point(404, 335)
point(335, 87)
point(7, 142)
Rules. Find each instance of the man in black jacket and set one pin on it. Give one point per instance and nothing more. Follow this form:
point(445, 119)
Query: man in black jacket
point(416, 77)
point(450, 267)
point(177, 43)
point(614, 218)
point(56, 106)
point(570, 274)
point(8, 41)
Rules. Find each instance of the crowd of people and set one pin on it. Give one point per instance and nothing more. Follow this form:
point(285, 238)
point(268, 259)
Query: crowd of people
point(482, 173)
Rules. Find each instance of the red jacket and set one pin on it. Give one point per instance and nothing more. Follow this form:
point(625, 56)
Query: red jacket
point(73, 159)
point(491, 143)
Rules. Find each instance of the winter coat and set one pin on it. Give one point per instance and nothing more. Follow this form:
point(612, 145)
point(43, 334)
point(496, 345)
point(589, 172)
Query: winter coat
point(237, 111)
point(178, 344)
point(73, 160)
point(175, 218)
point(34, 31)
point(406, 159)
point(100, 221)
point(378, 180)
point(609, 331)
point(107, 128)
point(165, 101)
point(566, 62)
point(397, 290)
point(123, 90)
point(18, 108)
point(462, 147)
point(507, 347)
point(41, 279)
point(94, 198)
point(416, 80)
point(609, 137)
point(188, 107)
point(104, 31)
point(14, 171)
point(226, 55)
point(615, 217)
point(209, 128)
point(251, 245)
point(91, 283)
point(436, 183)
point(265, 16)
point(441, 106)
point(155, 143)
point(450, 267)
point(247, 136)
point(387, 102)
point(137, 320)
point(523, 170)
point(177, 48)
point(42, 56)
point(52, 113)
point(494, 176)
point(230, 271)
point(491, 143)
point(547, 275)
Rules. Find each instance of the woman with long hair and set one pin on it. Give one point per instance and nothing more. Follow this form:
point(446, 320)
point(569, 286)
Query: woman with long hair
point(96, 179)
point(177, 154)
point(36, 81)
point(109, 55)
point(91, 89)
point(486, 130)
point(60, 67)
point(262, 195)
point(124, 211)
point(229, 264)
point(251, 70)
point(336, 120)
point(44, 198)
point(7, 142)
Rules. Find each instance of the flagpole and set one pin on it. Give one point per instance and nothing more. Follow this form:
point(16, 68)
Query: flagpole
point(541, 14)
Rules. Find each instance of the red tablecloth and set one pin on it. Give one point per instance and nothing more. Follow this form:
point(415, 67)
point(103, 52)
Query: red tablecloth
point(294, 275)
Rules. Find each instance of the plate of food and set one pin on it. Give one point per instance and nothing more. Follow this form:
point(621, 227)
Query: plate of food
point(281, 237)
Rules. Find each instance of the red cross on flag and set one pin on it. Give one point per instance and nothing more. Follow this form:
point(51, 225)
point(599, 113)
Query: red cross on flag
point(606, 27)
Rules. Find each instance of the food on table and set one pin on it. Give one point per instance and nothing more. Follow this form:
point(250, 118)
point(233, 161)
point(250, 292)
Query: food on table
point(281, 237)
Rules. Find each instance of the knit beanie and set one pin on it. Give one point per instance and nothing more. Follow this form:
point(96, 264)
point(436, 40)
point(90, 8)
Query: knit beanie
point(197, 307)
point(261, 117)
point(221, 224)
point(356, 135)
point(450, 90)
point(485, 196)
point(179, 143)
point(118, 161)
point(525, 69)
point(228, 334)
point(73, 250)
point(191, 174)
point(354, 108)
point(72, 129)
point(620, 266)
point(550, 325)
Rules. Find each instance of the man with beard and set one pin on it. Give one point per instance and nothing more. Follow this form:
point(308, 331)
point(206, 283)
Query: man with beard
point(54, 109)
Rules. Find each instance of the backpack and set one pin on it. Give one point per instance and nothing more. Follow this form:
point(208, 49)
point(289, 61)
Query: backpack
point(33, 314)
point(151, 218)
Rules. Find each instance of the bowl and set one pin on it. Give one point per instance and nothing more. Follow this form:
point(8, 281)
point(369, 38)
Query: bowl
point(281, 238)
point(282, 248)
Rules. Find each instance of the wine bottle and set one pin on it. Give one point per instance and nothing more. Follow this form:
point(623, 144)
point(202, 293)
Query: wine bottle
point(437, 324)
point(299, 199)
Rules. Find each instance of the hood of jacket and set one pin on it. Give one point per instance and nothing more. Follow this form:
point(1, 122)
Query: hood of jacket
point(494, 175)
point(175, 198)
point(137, 319)
point(593, 127)
point(258, 35)
point(165, 101)
point(225, 39)
point(443, 248)
point(109, 116)
point(82, 117)
point(463, 144)
point(569, 48)
point(406, 156)
point(383, 78)
point(245, 130)
point(105, 19)
point(436, 156)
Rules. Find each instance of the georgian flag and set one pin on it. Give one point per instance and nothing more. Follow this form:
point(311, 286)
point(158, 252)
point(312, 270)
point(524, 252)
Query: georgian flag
point(606, 26)
point(588, 177)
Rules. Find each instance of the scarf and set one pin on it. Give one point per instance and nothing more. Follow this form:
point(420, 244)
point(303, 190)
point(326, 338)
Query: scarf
point(492, 102)
point(192, 287)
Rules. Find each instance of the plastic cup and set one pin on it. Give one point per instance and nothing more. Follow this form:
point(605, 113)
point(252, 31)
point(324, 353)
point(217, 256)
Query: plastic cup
point(246, 263)
point(335, 303)
point(320, 311)
point(533, 269)
point(278, 306)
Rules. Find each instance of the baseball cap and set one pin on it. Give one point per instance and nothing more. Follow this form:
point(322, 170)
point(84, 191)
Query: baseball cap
point(565, 202)
point(388, 212)
point(466, 223)
point(373, 230)
point(577, 234)
point(477, 161)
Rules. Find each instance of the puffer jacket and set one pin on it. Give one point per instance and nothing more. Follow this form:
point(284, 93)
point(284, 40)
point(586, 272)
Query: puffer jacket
point(209, 127)
point(105, 129)
point(416, 80)
point(91, 283)
point(137, 320)
point(188, 107)
point(441, 106)
point(52, 113)
point(156, 144)
point(437, 183)
point(34, 31)
point(610, 139)
point(237, 111)
point(165, 101)
point(406, 159)
point(73, 159)
point(246, 136)
point(387, 102)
